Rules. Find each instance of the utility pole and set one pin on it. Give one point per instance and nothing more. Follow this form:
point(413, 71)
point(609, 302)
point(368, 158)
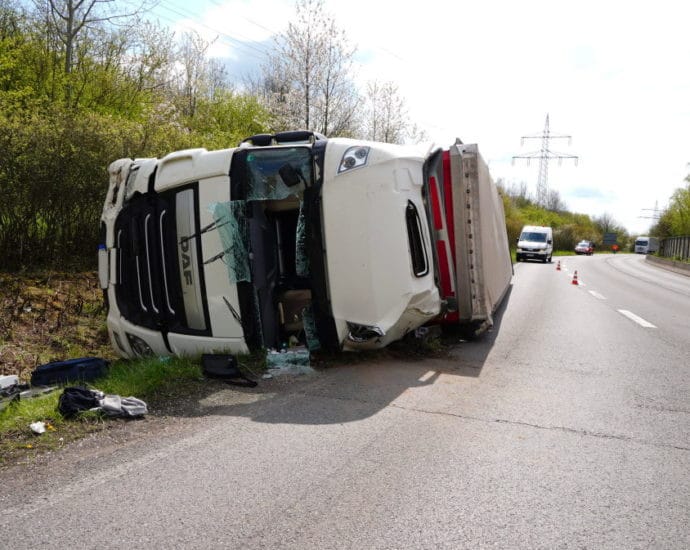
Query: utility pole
point(544, 155)
point(654, 215)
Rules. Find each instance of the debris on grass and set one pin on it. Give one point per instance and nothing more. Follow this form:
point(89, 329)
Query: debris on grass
point(38, 427)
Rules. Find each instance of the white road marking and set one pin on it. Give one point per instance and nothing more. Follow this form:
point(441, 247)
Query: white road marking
point(639, 320)
point(597, 295)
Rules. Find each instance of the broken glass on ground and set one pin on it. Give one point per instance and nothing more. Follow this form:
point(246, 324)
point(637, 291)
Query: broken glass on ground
point(289, 361)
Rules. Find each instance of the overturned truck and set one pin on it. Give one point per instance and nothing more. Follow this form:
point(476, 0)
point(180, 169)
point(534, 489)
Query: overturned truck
point(294, 238)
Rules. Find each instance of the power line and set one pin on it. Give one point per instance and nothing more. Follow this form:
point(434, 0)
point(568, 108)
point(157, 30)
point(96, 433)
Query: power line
point(242, 47)
point(215, 2)
point(246, 43)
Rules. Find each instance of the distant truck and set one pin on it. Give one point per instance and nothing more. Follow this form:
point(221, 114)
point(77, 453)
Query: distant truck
point(296, 238)
point(646, 245)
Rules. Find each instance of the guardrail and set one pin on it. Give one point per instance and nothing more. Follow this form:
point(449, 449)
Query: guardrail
point(677, 248)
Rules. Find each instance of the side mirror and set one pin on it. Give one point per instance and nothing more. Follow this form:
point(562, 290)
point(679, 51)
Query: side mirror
point(549, 241)
point(289, 175)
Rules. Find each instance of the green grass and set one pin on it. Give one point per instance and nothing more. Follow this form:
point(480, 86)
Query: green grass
point(144, 378)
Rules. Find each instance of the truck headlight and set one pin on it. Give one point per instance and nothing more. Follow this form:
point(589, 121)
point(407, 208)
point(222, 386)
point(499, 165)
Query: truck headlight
point(363, 333)
point(139, 346)
point(354, 157)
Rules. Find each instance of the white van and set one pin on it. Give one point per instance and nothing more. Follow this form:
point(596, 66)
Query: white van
point(646, 245)
point(535, 243)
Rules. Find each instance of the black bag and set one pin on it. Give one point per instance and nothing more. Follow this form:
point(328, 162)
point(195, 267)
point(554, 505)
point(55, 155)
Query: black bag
point(78, 399)
point(224, 366)
point(84, 369)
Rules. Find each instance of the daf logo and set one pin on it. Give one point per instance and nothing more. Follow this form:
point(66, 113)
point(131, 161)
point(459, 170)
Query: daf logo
point(190, 277)
point(186, 262)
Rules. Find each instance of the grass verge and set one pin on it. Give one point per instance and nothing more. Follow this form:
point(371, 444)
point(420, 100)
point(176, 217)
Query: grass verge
point(145, 378)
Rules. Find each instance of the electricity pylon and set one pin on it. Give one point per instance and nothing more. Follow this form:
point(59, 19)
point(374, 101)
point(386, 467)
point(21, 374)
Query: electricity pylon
point(655, 212)
point(544, 155)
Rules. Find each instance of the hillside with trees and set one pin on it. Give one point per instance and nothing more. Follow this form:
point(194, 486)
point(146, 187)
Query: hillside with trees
point(83, 84)
point(568, 228)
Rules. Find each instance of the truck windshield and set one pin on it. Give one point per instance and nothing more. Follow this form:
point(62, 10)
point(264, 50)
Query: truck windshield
point(265, 242)
point(533, 237)
point(275, 174)
point(641, 243)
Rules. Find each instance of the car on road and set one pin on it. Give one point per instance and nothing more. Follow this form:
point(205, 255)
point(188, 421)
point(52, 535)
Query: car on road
point(585, 247)
point(535, 243)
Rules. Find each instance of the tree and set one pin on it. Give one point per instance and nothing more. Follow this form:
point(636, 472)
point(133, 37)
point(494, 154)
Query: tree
point(68, 21)
point(337, 99)
point(678, 211)
point(554, 201)
point(198, 76)
point(519, 194)
point(606, 223)
point(53, 156)
point(307, 77)
point(385, 114)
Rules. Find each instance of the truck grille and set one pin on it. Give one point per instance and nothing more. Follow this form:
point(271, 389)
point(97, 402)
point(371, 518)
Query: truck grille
point(159, 279)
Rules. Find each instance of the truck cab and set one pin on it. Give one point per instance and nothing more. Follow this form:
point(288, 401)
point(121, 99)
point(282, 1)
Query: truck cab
point(287, 238)
point(646, 245)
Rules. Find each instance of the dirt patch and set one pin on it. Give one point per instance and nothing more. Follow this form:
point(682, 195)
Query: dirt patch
point(49, 317)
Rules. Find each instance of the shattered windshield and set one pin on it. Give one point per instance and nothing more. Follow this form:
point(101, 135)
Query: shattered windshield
point(275, 174)
point(231, 220)
point(275, 179)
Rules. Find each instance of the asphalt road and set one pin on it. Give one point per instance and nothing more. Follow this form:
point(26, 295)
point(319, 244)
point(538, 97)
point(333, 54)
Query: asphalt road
point(567, 426)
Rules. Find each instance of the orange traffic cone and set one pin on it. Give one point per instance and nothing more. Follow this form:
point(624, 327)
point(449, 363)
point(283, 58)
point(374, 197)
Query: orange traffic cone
point(558, 266)
point(575, 278)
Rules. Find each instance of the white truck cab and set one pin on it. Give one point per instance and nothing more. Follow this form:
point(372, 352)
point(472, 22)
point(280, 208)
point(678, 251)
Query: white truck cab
point(646, 245)
point(535, 243)
point(287, 237)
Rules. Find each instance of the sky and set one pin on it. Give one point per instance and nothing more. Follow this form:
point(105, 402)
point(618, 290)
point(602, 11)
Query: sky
point(613, 75)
